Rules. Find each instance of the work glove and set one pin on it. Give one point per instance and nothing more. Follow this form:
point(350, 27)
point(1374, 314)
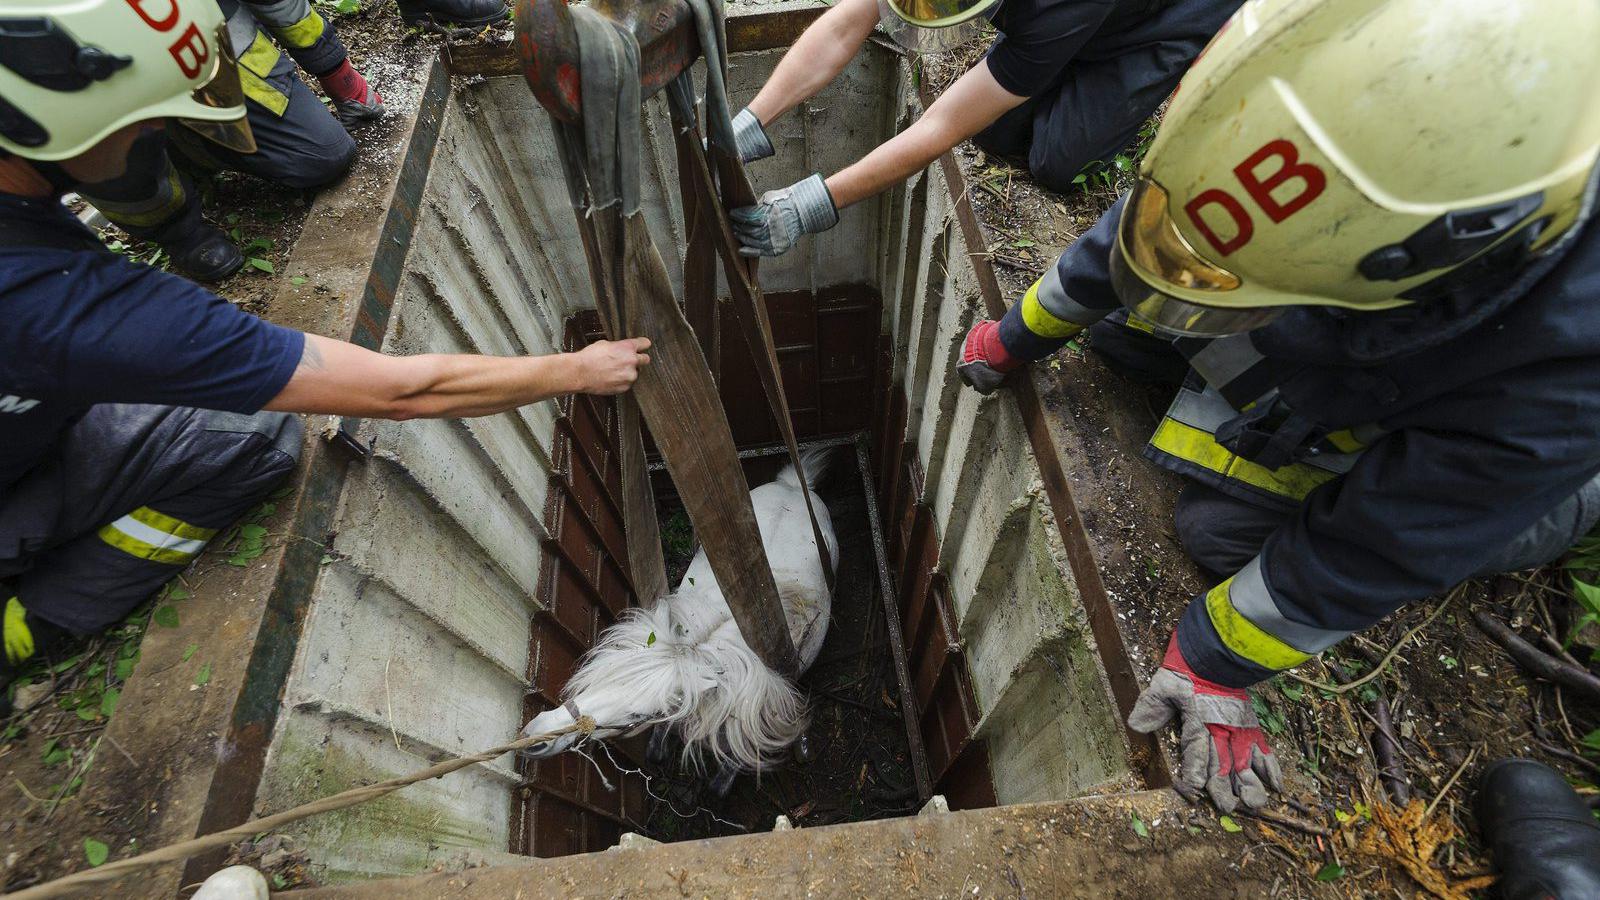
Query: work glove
point(985, 361)
point(749, 137)
point(1224, 751)
point(778, 219)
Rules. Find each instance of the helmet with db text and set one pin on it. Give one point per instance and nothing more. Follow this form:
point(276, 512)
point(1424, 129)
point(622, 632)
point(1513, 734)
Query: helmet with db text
point(74, 71)
point(1363, 154)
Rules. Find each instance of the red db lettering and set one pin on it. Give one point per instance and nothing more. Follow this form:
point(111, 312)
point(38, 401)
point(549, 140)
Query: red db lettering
point(1290, 167)
point(164, 24)
point(1244, 228)
point(191, 52)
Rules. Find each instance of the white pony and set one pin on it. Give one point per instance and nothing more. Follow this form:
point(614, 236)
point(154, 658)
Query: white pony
point(683, 665)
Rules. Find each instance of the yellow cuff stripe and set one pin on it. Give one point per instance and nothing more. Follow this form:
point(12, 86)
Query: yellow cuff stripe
point(147, 534)
point(18, 639)
point(1040, 321)
point(1201, 448)
point(303, 33)
point(1345, 441)
point(1243, 637)
point(255, 64)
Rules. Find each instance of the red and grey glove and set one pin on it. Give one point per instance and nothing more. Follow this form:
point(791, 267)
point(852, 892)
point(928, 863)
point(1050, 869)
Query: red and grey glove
point(1224, 751)
point(985, 361)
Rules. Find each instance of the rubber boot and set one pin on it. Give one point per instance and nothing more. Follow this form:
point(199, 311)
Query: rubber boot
point(453, 13)
point(1543, 837)
point(203, 253)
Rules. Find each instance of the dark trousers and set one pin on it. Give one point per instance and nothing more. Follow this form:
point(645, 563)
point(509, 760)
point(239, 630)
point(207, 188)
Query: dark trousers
point(1106, 93)
point(306, 147)
point(129, 498)
point(1222, 532)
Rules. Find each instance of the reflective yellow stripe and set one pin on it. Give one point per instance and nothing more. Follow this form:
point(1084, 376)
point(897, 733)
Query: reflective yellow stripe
point(303, 33)
point(255, 64)
point(1345, 442)
point(147, 534)
point(1138, 324)
point(18, 639)
point(1040, 321)
point(1243, 637)
point(170, 525)
point(1199, 447)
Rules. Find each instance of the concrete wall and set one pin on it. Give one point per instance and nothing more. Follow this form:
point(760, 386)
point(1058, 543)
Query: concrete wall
point(416, 643)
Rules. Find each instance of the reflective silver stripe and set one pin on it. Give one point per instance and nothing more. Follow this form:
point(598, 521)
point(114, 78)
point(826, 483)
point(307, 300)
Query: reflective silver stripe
point(1250, 597)
point(1225, 359)
point(1053, 297)
point(156, 538)
point(1208, 409)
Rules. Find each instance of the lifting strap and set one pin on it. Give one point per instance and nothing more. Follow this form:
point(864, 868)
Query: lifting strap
point(749, 306)
point(675, 394)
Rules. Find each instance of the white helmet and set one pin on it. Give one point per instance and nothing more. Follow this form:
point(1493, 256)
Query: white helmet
point(74, 71)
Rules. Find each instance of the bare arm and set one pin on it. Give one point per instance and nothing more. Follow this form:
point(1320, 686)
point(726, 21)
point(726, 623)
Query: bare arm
point(821, 53)
point(967, 107)
point(343, 379)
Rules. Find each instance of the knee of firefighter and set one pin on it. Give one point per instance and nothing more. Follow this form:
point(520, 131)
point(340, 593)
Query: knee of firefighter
point(1216, 540)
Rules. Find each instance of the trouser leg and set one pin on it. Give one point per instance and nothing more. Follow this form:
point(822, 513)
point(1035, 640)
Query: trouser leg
point(130, 498)
point(1222, 532)
point(1136, 353)
point(309, 38)
point(304, 147)
point(151, 199)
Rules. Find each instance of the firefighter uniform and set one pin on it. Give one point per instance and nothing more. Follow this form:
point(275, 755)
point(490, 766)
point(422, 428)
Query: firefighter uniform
point(299, 143)
point(1342, 465)
point(110, 479)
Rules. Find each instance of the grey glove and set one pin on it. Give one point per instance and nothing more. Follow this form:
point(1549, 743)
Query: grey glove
point(749, 137)
point(1224, 751)
point(778, 219)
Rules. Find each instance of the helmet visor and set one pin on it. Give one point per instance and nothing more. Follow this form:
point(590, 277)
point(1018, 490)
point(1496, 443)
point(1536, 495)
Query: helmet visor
point(224, 92)
point(1148, 241)
point(939, 13)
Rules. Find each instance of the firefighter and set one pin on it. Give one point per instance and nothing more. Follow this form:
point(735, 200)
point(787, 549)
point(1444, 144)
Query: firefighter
point(1067, 83)
point(1362, 239)
point(446, 14)
point(298, 143)
point(132, 422)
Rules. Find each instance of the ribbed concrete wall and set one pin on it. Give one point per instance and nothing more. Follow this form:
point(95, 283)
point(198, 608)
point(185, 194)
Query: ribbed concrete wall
point(416, 643)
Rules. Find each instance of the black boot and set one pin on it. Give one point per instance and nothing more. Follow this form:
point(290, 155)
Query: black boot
point(458, 13)
point(1544, 838)
point(204, 253)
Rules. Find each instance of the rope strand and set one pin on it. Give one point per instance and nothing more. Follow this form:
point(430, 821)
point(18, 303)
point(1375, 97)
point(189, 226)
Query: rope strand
point(70, 884)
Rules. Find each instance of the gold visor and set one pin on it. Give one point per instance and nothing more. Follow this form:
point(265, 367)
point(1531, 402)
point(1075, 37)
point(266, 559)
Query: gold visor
point(1149, 241)
point(224, 91)
point(939, 13)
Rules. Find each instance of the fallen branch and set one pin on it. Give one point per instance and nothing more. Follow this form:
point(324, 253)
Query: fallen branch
point(1536, 661)
point(1450, 784)
point(1386, 750)
point(1285, 821)
point(1387, 657)
point(72, 884)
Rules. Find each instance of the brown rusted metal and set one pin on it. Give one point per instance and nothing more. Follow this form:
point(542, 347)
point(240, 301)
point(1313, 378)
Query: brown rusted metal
point(1145, 754)
point(548, 47)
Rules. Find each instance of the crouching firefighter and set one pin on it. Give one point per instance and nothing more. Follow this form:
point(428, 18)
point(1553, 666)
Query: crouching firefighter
point(298, 143)
point(131, 401)
point(1370, 259)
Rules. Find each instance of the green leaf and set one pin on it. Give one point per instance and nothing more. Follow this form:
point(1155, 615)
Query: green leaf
point(95, 852)
point(346, 7)
point(203, 677)
point(166, 616)
point(66, 664)
point(239, 559)
point(124, 669)
point(1330, 872)
point(178, 592)
point(256, 262)
point(108, 702)
point(189, 651)
point(1291, 691)
point(1587, 594)
point(651, 640)
point(1139, 828)
point(278, 881)
point(88, 713)
point(252, 532)
point(53, 754)
point(1229, 825)
point(1343, 817)
point(1592, 739)
point(326, 558)
point(297, 280)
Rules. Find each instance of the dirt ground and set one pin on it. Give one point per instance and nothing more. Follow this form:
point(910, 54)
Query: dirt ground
point(1451, 697)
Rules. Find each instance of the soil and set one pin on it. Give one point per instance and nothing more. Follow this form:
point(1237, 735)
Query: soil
point(858, 768)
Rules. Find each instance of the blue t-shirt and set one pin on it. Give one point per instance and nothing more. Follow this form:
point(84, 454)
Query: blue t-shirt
point(80, 325)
